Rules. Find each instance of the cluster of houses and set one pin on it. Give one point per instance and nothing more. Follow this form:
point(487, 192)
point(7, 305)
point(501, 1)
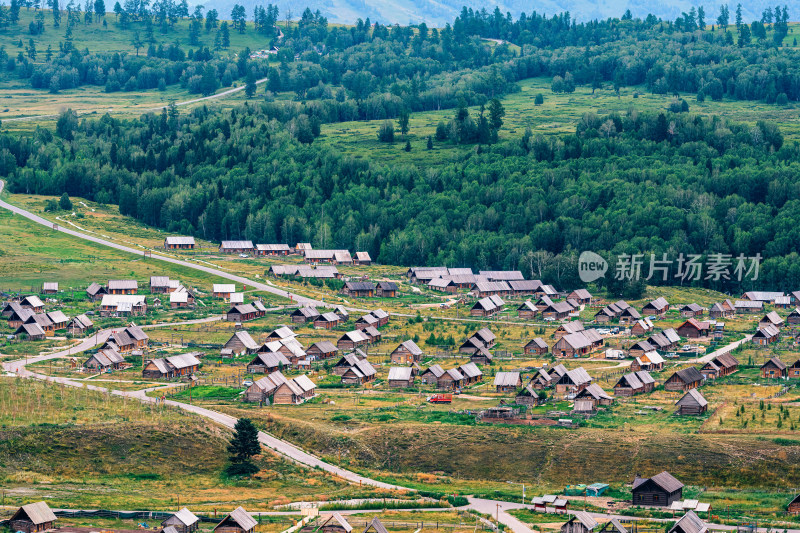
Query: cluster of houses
point(120, 297)
point(335, 257)
point(27, 316)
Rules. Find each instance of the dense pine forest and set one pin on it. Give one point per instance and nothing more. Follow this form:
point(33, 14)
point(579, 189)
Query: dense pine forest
point(637, 182)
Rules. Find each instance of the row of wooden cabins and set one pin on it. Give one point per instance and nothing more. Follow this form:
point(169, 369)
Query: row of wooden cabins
point(246, 312)
point(171, 366)
point(305, 271)
point(277, 389)
point(368, 289)
point(326, 320)
point(453, 378)
point(775, 368)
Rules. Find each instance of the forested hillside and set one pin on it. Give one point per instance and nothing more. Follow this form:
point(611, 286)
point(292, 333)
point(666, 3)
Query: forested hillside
point(663, 182)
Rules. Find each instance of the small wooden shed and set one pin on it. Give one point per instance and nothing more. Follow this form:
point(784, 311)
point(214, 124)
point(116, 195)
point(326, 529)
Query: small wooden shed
point(32, 517)
point(692, 403)
point(238, 521)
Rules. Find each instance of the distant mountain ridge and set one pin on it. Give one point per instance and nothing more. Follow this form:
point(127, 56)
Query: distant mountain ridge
point(439, 12)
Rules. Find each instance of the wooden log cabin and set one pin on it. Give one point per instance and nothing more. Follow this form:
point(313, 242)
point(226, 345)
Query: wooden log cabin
point(581, 522)
point(351, 340)
point(327, 321)
point(657, 307)
point(406, 353)
point(241, 342)
point(694, 329)
point(322, 350)
point(32, 518)
point(684, 380)
point(123, 286)
point(172, 366)
point(335, 523)
point(179, 243)
point(794, 370)
point(507, 381)
point(236, 247)
point(527, 310)
point(305, 314)
point(401, 377)
point(692, 403)
point(386, 289)
point(359, 289)
point(50, 287)
point(238, 521)
point(660, 490)
point(568, 328)
point(774, 368)
point(184, 521)
point(536, 346)
point(794, 506)
point(720, 366)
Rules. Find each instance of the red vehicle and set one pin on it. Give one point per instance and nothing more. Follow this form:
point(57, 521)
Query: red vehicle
point(441, 398)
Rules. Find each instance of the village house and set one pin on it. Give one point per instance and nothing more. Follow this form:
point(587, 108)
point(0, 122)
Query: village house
point(272, 249)
point(239, 521)
point(748, 307)
point(58, 319)
point(507, 381)
point(347, 362)
point(527, 396)
point(123, 305)
point(382, 316)
point(130, 339)
point(223, 290)
point(541, 380)
point(794, 370)
point(32, 303)
point(443, 285)
point(43, 321)
point(774, 368)
point(236, 247)
point(372, 334)
point(179, 243)
point(304, 314)
point(359, 373)
point(581, 522)
point(471, 372)
point(366, 321)
point(629, 315)
point(431, 375)
point(50, 287)
point(582, 296)
point(79, 324)
point(106, 359)
point(634, 383)
point(31, 331)
point(241, 343)
point(572, 345)
point(595, 394)
point(766, 297)
point(689, 523)
point(181, 298)
point(268, 362)
point(451, 379)
point(527, 310)
point(692, 311)
point(290, 347)
point(241, 313)
point(502, 275)
point(642, 327)
point(722, 309)
point(123, 286)
point(660, 490)
point(639, 348)
point(482, 338)
point(342, 257)
point(573, 381)
point(794, 506)
point(400, 377)
point(481, 355)
point(322, 350)
point(95, 291)
point(793, 319)
point(16, 315)
point(386, 289)
point(486, 307)
point(32, 518)
point(694, 329)
point(171, 366)
point(666, 340)
point(162, 285)
point(406, 353)
point(359, 289)
point(771, 319)
point(335, 523)
point(425, 274)
point(327, 321)
point(184, 521)
point(720, 366)
point(692, 403)
point(568, 328)
point(765, 335)
point(362, 258)
point(536, 346)
point(524, 287)
point(557, 310)
point(684, 380)
point(657, 307)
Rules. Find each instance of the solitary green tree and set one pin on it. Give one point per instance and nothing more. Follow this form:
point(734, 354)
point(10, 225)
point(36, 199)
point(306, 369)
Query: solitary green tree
point(403, 121)
point(242, 447)
point(65, 203)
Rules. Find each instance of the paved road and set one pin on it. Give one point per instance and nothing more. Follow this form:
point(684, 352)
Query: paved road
point(136, 110)
point(219, 273)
